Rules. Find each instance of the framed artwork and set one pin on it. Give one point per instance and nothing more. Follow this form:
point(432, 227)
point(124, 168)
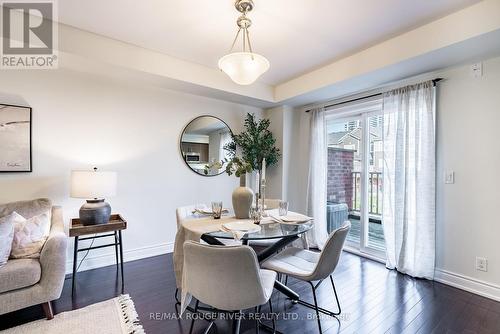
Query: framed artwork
point(15, 138)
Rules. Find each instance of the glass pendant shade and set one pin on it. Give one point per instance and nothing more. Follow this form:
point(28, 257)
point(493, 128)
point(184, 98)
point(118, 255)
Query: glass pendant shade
point(244, 67)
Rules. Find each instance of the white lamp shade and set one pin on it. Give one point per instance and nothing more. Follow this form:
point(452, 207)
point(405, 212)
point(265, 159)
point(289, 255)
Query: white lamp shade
point(243, 67)
point(92, 184)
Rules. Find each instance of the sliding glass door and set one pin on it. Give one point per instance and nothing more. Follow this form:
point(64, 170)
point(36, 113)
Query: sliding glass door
point(355, 177)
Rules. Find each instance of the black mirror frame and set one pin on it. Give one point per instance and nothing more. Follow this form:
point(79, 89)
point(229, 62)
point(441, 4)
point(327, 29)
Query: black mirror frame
point(180, 143)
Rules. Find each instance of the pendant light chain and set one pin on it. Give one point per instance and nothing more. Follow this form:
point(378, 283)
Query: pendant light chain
point(235, 39)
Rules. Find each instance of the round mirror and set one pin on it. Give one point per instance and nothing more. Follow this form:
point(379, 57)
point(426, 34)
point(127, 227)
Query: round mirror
point(202, 145)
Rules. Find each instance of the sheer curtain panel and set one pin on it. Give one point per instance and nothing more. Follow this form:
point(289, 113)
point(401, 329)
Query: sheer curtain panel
point(409, 179)
point(317, 182)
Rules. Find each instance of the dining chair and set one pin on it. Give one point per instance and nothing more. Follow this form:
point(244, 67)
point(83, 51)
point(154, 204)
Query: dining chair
point(312, 266)
point(227, 278)
point(184, 212)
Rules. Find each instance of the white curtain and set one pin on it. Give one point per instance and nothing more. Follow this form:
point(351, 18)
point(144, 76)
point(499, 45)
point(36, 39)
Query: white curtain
point(317, 179)
point(409, 179)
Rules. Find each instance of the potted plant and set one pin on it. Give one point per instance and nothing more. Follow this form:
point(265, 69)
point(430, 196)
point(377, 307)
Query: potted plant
point(254, 144)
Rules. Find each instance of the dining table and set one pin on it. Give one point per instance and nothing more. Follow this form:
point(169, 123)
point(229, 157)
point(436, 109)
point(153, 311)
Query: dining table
point(205, 228)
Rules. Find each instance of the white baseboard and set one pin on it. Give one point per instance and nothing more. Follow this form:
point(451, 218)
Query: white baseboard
point(470, 284)
point(92, 262)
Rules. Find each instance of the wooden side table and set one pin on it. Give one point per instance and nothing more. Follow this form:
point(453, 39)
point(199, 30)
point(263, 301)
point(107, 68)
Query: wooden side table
point(116, 224)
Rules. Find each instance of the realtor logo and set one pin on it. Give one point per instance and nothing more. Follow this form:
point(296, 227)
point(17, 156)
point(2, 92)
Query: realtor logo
point(29, 35)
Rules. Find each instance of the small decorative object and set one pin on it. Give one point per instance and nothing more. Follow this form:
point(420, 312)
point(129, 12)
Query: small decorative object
point(15, 138)
point(256, 215)
point(283, 208)
point(263, 187)
point(93, 186)
point(242, 199)
point(217, 209)
point(257, 146)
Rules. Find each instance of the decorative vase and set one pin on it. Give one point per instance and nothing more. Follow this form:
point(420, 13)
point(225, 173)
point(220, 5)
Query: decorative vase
point(242, 200)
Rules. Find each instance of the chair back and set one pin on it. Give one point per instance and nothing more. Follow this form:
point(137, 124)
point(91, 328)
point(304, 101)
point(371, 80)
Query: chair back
point(272, 203)
point(330, 255)
point(184, 212)
point(224, 277)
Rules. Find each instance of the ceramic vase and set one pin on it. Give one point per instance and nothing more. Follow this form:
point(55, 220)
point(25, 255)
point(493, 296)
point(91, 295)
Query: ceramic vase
point(242, 200)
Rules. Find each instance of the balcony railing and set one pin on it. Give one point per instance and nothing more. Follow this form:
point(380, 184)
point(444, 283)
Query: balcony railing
point(374, 192)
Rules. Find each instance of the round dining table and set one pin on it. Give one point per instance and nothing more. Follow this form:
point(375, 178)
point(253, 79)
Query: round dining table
point(278, 236)
point(205, 228)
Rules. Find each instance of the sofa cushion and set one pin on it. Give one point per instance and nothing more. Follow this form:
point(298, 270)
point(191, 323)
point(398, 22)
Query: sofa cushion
point(29, 236)
point(27, 209)
point(17, 274)
point(7, 235)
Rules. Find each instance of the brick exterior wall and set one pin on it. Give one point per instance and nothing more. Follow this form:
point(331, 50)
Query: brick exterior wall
point(340, 183)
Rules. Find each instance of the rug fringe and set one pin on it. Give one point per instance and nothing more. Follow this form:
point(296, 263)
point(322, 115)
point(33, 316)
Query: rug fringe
point(129, 315)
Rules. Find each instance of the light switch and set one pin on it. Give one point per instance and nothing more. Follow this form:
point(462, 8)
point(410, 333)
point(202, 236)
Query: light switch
point(449, 177)
point(476, 70)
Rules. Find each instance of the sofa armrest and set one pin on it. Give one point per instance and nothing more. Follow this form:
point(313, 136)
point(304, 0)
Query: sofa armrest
point(53, 257)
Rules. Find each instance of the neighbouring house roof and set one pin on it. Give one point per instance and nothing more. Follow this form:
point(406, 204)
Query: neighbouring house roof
point(337, 138)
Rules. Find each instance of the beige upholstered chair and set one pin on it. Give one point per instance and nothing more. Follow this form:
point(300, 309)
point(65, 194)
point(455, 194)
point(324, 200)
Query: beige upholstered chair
point(184, 212)
point(311, 266)
point(27, 282)
point(227, 278)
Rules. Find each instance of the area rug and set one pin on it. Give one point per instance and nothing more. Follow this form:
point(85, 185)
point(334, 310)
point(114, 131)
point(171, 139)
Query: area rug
point(114, 316)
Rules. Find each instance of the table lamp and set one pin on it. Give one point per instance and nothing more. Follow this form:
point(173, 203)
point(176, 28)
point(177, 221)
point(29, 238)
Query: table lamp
point(93, 186)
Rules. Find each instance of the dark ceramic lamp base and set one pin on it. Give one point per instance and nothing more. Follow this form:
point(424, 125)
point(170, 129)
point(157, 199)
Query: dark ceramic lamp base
point(95, 212)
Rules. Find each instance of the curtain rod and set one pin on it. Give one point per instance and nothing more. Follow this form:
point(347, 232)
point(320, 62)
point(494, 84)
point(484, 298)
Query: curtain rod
point(434, 82)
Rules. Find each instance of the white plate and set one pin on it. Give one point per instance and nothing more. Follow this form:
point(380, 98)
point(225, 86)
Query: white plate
point(241, 226)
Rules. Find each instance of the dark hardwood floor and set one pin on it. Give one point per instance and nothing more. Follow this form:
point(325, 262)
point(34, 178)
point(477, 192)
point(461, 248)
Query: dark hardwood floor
point(373, 299)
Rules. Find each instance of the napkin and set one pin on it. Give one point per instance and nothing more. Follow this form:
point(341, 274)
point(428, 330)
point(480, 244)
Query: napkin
point(237, 235)
point(240, 228)
point(292, 219)
point(208, 212)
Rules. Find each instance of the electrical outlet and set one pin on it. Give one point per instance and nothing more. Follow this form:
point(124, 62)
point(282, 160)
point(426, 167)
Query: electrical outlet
point(481, 264)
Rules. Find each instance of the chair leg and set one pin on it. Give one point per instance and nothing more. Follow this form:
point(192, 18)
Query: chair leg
point(209, 327)
point(320, 309)
point(236, 323)
point(257, 324)
point(47, 309)
point(316, 307)
point(336, 297)
point(177, 301)
point(194, 316)
point(272, 315)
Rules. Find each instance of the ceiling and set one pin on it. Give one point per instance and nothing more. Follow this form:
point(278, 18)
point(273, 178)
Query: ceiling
point(296, 36)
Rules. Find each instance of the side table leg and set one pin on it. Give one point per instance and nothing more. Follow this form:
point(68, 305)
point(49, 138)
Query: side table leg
point(121, 258)
point(116, 250)
point(75, 260)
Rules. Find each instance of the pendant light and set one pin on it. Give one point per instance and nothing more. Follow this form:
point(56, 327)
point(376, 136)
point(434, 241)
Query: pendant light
point(246, 66)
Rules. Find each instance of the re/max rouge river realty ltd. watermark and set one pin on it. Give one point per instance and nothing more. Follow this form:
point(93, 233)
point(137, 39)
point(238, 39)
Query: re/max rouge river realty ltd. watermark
point(29, 34)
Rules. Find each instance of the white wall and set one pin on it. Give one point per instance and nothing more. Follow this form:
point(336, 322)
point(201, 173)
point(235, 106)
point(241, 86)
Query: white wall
point(468, 118)
point(81, 121)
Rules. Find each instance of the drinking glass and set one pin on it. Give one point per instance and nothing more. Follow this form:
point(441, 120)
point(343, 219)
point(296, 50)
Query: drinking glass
point(255, 215)
point(217, 209)
point(283, 208)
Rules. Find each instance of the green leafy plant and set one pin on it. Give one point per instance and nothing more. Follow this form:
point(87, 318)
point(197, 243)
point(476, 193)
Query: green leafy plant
point(256, 142)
